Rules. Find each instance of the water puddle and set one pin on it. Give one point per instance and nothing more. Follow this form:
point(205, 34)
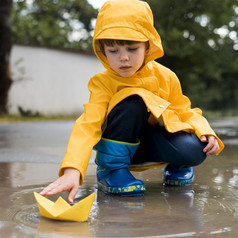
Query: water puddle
point(194, 211)
point(208, 208)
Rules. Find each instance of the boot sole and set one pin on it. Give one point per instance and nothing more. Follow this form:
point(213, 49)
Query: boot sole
point(178, 182)
point(135, 190)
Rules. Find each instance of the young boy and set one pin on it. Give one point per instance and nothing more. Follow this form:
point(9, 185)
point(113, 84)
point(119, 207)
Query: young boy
point(136, 113)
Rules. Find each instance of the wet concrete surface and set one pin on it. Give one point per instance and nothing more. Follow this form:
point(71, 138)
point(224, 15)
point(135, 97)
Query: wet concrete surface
point(30, 156)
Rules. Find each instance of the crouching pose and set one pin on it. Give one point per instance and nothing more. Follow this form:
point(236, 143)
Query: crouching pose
point(137, 115)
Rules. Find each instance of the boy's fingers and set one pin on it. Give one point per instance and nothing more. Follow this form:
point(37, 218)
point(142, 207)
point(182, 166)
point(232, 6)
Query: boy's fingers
point(210, 144)
point(203, 138)
point(64, 183)
point(72, 194)
point(45, 190)
point(209, 149)
point(52, 188)
point(54, 191)
point(213, 147)
point(210, 152)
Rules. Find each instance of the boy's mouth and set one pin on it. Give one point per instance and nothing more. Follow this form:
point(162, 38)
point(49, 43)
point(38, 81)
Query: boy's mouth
point(124, 67)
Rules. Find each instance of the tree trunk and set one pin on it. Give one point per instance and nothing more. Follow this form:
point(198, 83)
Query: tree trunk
point(5, 48)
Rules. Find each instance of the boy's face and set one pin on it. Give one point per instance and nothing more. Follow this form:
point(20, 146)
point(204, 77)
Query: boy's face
point(126, 59)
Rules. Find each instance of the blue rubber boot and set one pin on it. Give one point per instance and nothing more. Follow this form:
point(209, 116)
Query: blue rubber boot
point(113, 177)
point(179, 177)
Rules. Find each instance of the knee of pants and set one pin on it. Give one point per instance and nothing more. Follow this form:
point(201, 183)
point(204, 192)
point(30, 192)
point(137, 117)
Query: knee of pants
point(130, 108)
point(126, 120)
point(191, 150)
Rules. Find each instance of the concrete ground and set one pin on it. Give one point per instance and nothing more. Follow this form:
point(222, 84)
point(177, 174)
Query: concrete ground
point(30, 156)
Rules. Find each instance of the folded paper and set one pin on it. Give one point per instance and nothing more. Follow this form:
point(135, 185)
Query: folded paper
point(61, 210)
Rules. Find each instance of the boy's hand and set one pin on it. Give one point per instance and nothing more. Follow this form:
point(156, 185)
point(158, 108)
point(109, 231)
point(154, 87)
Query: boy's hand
point(212, 147)
point(68, 182)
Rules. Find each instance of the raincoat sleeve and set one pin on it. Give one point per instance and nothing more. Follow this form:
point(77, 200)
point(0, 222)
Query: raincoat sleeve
point(182, 106)
point(87, 129)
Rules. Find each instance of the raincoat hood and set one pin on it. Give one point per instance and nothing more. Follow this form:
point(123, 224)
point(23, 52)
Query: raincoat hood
point(127, 20)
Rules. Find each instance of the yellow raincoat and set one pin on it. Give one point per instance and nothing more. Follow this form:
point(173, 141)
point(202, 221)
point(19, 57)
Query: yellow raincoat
point(157, 85)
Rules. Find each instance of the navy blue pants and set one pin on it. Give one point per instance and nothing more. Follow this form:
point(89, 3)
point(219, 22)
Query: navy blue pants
point(128, 121)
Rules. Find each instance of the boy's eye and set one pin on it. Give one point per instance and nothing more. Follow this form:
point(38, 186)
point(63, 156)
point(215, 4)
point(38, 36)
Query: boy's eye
point(132, 49)
point(113, 51)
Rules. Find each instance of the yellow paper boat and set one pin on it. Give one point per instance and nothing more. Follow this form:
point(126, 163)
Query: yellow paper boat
point(61, 210)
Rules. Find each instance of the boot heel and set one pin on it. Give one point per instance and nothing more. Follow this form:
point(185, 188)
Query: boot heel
point(180, 177)
point(127, 185)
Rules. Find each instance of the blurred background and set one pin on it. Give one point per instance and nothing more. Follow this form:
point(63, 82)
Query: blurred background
point(46, 56)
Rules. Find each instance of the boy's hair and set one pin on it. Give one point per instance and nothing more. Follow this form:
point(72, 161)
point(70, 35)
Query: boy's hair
point(112, 42)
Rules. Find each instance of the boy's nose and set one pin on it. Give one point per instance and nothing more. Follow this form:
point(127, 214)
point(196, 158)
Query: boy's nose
point(124, 56)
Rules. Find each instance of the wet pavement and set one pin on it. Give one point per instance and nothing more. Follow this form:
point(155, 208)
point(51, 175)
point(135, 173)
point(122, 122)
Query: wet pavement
point(30, 156)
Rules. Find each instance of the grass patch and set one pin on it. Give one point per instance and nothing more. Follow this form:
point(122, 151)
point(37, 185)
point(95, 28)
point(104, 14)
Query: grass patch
point(11, 118)
point(5, 118)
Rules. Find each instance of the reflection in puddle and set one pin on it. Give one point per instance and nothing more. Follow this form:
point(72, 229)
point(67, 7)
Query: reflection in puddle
point(233, 181)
